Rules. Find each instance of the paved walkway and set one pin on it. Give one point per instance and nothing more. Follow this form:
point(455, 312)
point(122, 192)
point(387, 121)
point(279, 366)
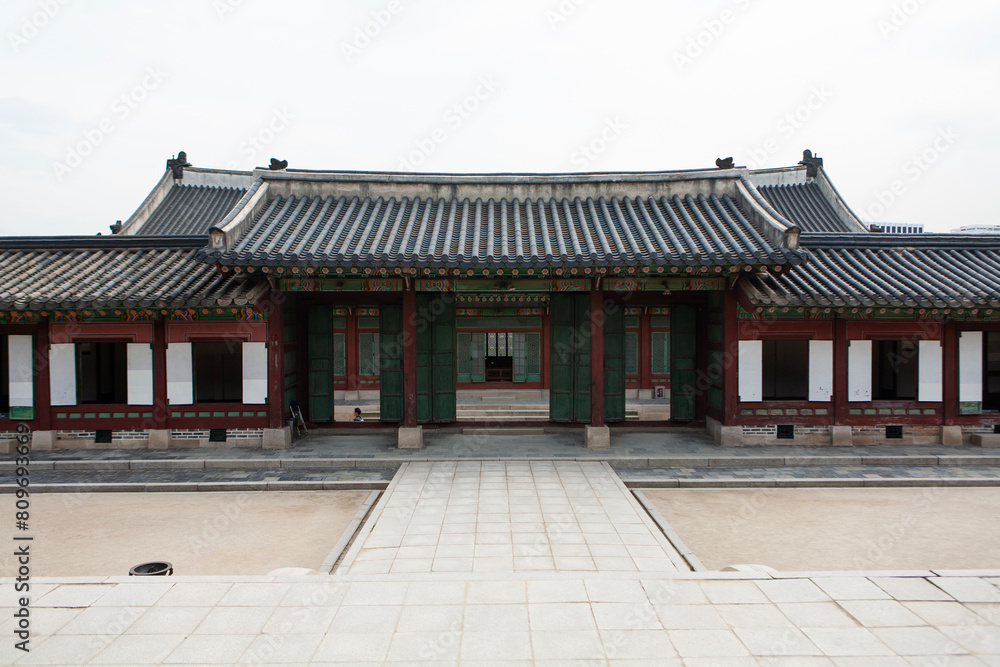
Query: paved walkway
point(597, 619)
point(556, 516)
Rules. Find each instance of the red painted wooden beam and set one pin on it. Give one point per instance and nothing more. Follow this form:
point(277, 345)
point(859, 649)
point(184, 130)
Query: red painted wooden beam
point(161, 410)
point(597, 357)
point(949, 339)
point(840, 405)
point(410, 358)
point(730, 357)
point(275, 366)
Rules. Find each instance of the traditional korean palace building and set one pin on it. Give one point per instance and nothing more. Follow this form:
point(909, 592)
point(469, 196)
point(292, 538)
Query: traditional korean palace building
point(754, 303)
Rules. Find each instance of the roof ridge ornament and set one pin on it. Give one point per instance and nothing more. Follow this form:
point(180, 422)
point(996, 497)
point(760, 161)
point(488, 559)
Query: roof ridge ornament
point(277, 165)
point(176, 165)
point(725, 163)
point(811, 163)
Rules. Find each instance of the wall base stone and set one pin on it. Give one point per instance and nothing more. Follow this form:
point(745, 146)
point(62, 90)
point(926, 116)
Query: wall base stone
point(410, 438)
point(986, 439)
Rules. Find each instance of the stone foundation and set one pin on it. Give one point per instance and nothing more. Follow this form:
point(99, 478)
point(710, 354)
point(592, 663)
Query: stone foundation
point(952, 436)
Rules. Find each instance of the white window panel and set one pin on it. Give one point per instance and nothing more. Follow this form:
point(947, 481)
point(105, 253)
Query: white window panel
point(929, 376)
point(180, 376)
point(820, 370)
point(859, 370)
point(751, 370)
point(970, 366)
point(254, 373)
point(62, 373)
point(21, 376)
point(140, 374)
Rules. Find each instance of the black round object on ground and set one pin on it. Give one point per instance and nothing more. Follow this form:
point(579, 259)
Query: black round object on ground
point(154, 569)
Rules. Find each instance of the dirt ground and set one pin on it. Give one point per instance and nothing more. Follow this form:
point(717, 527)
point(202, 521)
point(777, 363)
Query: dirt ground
point(102, 534)
point(837, 529)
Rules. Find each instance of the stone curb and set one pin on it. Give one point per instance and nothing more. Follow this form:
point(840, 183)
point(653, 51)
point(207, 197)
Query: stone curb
point(826, 482)
point(615, 461)
point(289, 485)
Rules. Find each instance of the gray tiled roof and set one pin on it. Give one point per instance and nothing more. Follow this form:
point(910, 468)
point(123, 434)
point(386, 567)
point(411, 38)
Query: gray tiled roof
point(420, 232)
point(190, 209)
point(916, 271)
point(805, 205)
point(128, 272)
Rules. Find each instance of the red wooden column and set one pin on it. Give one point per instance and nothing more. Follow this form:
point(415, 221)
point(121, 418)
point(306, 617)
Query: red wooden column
point(275, 368)
point(410, 358)
point(161, 411)
point(43, 393)
point(840, 405)
point(730, 358)
point(597, 356)
point(949, 339)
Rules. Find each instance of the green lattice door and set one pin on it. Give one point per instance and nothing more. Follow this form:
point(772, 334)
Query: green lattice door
point(683, 348)
point(321, 364)
point(614, 364)
point(569, 358)
point(391, 363)
point(436, 354)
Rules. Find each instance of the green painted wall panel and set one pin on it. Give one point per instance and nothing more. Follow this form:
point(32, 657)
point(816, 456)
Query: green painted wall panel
point(614, 365)
point(391, 363)
point(321, 364)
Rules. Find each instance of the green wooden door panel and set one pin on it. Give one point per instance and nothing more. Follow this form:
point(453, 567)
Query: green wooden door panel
point(424, 362)
point(443, 407)
point(435, 359)
point(614, 364)
point(479, 357)
point(321, 362)
point(561, 357)
point(533, 357)
point(569, 367)
point(463, 357)
point(391, 363)
point(683, 348)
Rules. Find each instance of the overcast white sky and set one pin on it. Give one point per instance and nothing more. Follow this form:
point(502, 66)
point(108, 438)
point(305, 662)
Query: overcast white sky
point(891, 93)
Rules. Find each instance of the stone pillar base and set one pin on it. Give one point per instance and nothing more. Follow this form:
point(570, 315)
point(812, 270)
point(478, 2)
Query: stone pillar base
point(951, 436)
point(841, 436)
point(729, 436)
point(410, 438)
point(597, 437)
point(43, 440)
point(159, 438)
point(278, 438)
